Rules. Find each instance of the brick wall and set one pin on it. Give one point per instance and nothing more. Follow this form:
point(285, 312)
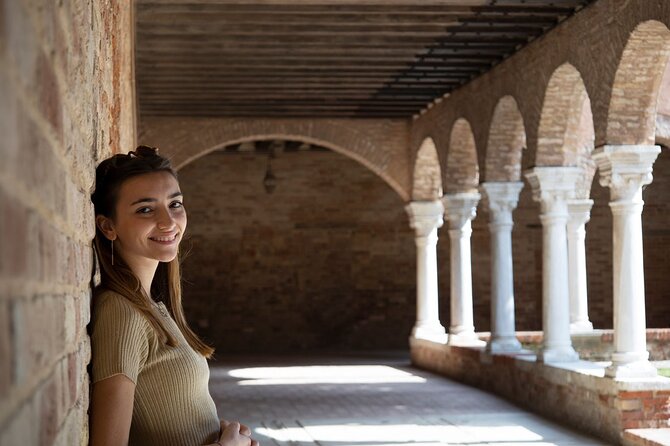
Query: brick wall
point(65, 103)
point(581, 398)
point(325, 262)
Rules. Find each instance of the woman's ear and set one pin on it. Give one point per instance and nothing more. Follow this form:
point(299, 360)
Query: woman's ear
point(106, 226)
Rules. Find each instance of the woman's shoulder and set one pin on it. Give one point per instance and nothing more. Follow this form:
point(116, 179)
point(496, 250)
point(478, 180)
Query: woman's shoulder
point(111, 303)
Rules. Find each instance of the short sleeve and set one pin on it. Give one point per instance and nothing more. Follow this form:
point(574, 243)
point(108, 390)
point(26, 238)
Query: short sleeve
point(119, 338)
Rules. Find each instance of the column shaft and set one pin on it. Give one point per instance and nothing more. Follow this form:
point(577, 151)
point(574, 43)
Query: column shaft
point(460, 209)
point(625, 170)
point(502, 199)
point(552, 187)
point(426, 218)
point(579, 313)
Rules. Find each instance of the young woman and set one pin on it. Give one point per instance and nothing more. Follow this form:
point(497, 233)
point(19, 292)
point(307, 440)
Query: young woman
point(150, 374)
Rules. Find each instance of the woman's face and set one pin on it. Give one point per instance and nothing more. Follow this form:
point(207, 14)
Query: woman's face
point(150, 218)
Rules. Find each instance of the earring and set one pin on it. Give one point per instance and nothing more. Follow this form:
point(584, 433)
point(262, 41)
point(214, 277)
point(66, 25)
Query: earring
point(112, 252)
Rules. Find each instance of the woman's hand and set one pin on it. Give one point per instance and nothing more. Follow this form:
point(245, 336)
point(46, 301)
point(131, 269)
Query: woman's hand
point(235, 434)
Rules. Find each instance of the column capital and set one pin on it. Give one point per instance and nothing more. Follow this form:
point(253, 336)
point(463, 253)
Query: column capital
point(501, 198)
point(553, 185)
point(625, 169)
point(425, 216)
point(460, 208)
point(580, 211)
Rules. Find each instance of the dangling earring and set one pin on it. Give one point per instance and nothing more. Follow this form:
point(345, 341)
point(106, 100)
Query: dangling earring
point(112, 252)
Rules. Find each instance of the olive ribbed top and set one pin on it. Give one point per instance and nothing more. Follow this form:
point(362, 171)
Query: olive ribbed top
point(172, 403)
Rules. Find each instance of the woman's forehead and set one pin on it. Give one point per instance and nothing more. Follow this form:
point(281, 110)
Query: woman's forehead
point(150, 185)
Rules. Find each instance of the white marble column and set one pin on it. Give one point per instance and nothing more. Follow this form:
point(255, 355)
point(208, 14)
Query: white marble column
point(501, 199)
point(553, 187)
point(625, 170)
point(460, 209)
point(580, 213)
point(425, 218)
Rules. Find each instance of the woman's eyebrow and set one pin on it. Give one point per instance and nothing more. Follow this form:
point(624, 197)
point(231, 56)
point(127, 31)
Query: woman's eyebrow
point(141, 200)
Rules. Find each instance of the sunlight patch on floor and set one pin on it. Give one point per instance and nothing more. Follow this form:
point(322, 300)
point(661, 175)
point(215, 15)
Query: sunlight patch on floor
point(399, 434)
point(345, 374)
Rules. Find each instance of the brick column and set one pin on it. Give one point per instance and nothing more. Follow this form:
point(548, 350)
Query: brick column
point(425, 218)
point(580, 213)
point(625, 170)
point(460, 209)
point(502, 199)
point(553, 187)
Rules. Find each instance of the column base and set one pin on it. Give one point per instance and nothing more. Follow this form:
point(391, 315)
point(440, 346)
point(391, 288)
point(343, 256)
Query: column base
point(465, 339)
point(581, 327)
point(638, 369)
point(503, 344)
point(434, 333)
point(550, 355)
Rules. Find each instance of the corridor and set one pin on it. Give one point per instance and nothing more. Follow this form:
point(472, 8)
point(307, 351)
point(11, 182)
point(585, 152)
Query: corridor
point(365, 400)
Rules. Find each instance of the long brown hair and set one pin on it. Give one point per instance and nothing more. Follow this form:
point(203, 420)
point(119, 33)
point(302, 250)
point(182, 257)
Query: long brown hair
point(166, 285)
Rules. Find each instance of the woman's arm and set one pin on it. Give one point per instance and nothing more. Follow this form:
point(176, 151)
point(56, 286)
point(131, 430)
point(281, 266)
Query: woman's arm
point(112, 411)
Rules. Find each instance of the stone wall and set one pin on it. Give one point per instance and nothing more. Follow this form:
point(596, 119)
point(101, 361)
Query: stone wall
point(325, 262)
point(65, 103)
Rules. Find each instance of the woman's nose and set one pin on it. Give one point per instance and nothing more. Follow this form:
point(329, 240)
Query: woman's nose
point(165, 221)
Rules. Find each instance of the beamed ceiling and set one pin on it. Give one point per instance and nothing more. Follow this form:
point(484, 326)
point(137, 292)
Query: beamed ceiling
point(316, 58)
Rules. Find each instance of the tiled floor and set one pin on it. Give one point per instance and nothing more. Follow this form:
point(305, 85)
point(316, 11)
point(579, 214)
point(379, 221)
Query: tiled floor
point(376, 399)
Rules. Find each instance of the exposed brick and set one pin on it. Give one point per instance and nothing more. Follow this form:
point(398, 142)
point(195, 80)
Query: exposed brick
point(331, 250)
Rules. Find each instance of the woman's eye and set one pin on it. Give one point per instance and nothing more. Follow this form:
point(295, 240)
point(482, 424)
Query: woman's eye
point(143, 210)
point(177, 204)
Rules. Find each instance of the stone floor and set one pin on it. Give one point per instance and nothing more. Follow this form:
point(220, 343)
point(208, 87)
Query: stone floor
point(373, 399)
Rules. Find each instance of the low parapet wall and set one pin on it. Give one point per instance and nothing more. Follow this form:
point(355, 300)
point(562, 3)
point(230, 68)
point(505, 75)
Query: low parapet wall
point(577, 394)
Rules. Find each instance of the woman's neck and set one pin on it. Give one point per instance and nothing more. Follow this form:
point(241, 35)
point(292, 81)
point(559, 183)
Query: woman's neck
point(144, 269)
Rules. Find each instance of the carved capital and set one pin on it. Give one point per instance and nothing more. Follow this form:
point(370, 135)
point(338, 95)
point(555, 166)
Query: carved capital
point(553, 186)
point(460, 208)
point(625, 169)
point(425, 216)
point(501, 198)
point(580, 212)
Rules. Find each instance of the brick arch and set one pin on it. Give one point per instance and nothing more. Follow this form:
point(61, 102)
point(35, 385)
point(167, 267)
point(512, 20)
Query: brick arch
point(462, 171)
point(566, 108)
point(506, 142)
point(663, 110)
point(427, 175)
point(637, 83)
point(379, 145)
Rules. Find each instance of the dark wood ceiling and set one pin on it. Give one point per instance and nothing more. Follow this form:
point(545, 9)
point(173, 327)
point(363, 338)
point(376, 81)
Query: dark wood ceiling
point(318, 58)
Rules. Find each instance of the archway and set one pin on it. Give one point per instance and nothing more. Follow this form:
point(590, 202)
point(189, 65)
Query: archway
point(427, 177)
point(634, 100)
point(326, 261)
point(462, 171)
point(507, 140)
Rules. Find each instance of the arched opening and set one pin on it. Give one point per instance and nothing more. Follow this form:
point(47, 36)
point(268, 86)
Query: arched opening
point(507, 140)
point(324, 262)
point(635, 93)
point(639, 113)
point(565, 138)
point(462, 171)
point(427, 177)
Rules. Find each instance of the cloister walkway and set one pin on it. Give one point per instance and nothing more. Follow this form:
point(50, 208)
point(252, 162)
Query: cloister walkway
point(372, 399)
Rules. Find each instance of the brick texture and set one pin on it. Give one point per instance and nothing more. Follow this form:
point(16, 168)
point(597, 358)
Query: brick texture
point(325, 262)
point(66, 102)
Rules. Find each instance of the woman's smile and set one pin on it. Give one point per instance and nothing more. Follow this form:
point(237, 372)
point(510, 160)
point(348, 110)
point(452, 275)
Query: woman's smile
point(165, 240)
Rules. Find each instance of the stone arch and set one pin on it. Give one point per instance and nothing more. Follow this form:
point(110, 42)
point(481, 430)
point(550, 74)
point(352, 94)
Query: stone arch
point(506, 142)
point(379, 145)
point(427, 175)
point(566, 133)
point(462, 171)
point(635, 92)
